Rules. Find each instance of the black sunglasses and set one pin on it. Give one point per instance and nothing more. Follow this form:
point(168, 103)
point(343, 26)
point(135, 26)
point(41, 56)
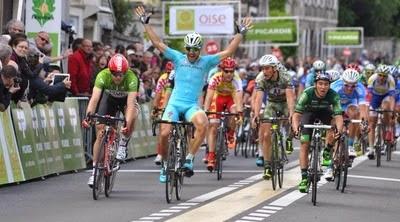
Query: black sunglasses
point(194, 49)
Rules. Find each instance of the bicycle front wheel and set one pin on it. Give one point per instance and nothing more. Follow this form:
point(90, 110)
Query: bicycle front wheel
point(170, 171)
point(282, 160)
point(314, 180)
point(274, 160)
point(379, 146)
point(345, 164)
point(98, 182)
point(220, 152)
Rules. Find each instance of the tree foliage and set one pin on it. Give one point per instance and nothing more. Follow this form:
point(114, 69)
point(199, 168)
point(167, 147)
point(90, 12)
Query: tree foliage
point(123, 14)
point(378, 17)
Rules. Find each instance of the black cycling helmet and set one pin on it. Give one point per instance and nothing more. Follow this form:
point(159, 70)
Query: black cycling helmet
point(322, 75)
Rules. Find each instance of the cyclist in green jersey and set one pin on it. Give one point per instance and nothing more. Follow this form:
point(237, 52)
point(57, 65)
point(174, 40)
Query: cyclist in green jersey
point(316, 102)
point(115, 89)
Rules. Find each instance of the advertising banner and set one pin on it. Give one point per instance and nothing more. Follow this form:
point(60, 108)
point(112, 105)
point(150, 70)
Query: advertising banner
point(44, 15)
point(25, 135)
point(208, 20)
point(70, 136)
point(274, 31)
point(48, 137)
point(10, 163)
point(343, 37)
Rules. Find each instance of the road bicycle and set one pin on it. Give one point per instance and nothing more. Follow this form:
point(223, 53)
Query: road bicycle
point(314, 160)
point(221, 146)
point(341, 161)
point(107, 165)
point(383, 139)
point(178, 140)
point(278, 156)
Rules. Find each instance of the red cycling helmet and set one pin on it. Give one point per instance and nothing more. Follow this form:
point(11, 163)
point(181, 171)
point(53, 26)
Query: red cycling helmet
point(354, 66)
point(228, 63)
point(169, 66)
point(118, 63)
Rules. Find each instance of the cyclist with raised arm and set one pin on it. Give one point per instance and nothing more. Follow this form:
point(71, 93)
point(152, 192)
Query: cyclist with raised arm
point(224, 89)
point(381, 86)
point(316, 102)
point(352, 99)
point(115, 89)
point(281, 99)
point(191, 71)
point(162, 93)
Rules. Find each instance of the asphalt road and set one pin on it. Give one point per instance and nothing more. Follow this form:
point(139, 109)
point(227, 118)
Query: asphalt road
point(372, 194)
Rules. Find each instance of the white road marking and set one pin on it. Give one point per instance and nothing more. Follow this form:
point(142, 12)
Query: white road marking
point(272, 208)
point(266, 211)
point(374, 178)
point(253, 218)
point(259, 215)
point(212, 194)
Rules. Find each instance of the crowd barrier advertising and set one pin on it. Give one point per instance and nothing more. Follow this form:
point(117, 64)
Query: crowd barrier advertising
point(10, 163)
point(142, 142)
point(47, 139)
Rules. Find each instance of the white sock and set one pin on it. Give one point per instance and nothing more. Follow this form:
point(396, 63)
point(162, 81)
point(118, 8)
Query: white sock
point(190, 156)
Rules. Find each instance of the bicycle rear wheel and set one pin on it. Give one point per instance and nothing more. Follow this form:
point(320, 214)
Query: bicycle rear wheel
point(110, 179)
point(388, 151)
point(337, 166)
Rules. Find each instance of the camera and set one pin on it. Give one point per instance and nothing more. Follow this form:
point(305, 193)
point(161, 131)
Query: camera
point(17, 80)
point(69, 29)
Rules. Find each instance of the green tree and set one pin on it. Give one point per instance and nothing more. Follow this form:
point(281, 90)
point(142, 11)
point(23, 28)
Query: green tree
point(378, 17)
point(123, 15)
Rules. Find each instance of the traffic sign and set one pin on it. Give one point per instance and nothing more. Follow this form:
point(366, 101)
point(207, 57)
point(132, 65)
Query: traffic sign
point(211, 47)
point(346, 52)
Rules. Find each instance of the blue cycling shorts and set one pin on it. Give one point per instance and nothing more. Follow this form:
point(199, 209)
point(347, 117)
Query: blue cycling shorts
point(174, 109)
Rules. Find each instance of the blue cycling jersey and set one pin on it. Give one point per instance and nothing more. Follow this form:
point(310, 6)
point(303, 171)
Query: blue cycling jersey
point(189, 77)
point(355, 98)
point(310, 78)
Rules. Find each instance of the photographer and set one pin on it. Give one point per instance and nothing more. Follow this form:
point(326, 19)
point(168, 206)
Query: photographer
point(9, 83)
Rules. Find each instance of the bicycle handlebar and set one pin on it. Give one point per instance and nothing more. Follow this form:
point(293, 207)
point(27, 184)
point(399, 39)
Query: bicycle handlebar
point(221, 113)
point(311, 126)
point(272, 119)
point(107, 118)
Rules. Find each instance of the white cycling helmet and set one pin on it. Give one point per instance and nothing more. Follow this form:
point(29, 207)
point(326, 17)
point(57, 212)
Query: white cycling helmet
point(193, 39)
point(335, 75)
point(319, 65)
point(350, 76)
point(269, 60)
point(369, 67)
point(383, 69)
